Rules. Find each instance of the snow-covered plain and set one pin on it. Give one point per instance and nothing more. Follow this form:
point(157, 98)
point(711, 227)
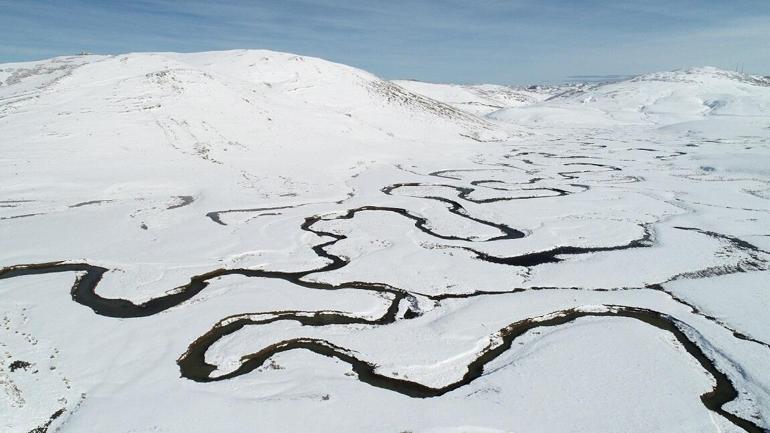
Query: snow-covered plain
point(258, 241)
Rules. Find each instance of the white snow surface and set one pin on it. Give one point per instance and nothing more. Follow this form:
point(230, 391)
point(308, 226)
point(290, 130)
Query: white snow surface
point(413, 226)
point(480, 99)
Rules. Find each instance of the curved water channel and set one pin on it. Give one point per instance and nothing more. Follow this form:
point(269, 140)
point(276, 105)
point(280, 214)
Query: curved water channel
point(193, 365)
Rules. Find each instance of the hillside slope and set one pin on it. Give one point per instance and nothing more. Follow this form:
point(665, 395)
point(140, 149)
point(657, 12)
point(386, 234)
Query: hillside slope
point(479, 99)
point(663, 98)
point(238, 109)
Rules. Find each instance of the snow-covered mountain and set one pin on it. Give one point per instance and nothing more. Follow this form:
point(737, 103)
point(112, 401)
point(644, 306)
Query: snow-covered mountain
point(480, 99)
point(662, 98)
point(235, 107)
point(251, 240)
point(256, 82)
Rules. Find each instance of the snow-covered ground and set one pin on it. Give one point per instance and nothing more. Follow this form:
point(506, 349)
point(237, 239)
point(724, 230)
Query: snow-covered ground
point(250, 240)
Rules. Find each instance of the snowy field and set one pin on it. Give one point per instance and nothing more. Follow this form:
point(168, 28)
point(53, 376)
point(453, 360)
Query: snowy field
point(256, 241)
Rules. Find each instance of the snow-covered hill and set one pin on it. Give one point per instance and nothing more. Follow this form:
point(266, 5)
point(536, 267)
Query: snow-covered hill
point(250, 240)
point(480, 99)
point(662, 98)
point(257, 81)
point(235, 107)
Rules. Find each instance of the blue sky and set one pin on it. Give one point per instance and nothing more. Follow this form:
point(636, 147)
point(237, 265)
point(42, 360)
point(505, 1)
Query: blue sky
point(464, 41)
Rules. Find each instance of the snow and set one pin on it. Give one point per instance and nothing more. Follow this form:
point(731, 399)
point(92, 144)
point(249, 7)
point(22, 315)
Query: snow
point(662, 98)
point(407, 230)
point(478, 99)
